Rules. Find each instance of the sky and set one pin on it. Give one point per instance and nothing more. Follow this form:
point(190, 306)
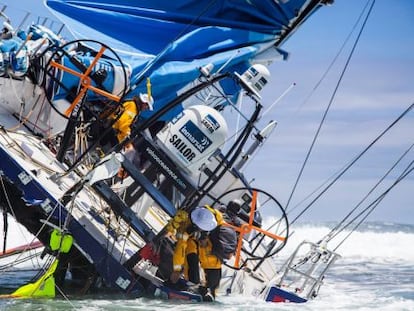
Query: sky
point(375, 90)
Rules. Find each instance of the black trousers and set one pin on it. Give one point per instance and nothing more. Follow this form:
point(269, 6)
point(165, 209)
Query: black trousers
point(213, 277)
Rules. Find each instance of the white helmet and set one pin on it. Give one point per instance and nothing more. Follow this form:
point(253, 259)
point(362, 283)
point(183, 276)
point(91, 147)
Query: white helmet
point(203, 219)
point(147, 99)
point(255, 78)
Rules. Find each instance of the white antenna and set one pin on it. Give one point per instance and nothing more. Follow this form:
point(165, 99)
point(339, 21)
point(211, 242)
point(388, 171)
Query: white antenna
point(239, 103)
point(279, 98)
point(228, 61)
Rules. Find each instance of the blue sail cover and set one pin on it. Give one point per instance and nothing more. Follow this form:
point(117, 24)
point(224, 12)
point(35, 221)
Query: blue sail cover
point(169, 40)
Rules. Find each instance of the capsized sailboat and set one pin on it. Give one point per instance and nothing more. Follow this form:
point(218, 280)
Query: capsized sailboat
point(103, 230)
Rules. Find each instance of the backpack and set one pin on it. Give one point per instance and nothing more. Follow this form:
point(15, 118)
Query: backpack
point(224, 242)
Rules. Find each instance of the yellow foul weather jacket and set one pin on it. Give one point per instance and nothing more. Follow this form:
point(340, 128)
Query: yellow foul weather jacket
point(187, 244)
point(123, 125)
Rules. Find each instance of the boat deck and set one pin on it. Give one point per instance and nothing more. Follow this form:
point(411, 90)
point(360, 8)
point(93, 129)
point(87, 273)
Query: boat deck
point(40, 164)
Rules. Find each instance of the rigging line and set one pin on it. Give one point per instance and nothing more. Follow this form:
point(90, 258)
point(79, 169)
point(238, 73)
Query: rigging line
point(331, 234)
point(18, 149)
point(5, 229)
point(305, 198)
point(6, 268)
point(334, 60)
point(226, 97)
point(65, 297)
point(231, 155)
point(329, 104)
point(317, 189)
point(14, 215)
point(354, 161)
point(9, 205)
point(404, 174)
point(240, 115)
point(42, 269)
point(24, 119)
point(370, 208)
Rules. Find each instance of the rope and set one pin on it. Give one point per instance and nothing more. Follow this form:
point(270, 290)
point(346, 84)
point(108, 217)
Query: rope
point(370, 208)
point(329, 104)
point(334, 60)
point(7, 268)
point(18, 149)
point(65, 297)
point(10, 205)
point(14, 215)
point(353, 162)
point(337, 229)
point(64, 227)
point(23, 120)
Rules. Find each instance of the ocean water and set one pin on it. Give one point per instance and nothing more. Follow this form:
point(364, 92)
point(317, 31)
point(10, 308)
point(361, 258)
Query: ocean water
point(375, 272)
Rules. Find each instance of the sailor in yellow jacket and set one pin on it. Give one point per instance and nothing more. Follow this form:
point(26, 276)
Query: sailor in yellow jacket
point(122, 126)
point(132, 108)
point(194, 247)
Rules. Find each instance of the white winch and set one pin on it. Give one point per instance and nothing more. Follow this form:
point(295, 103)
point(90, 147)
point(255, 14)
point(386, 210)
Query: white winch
point(192, 136)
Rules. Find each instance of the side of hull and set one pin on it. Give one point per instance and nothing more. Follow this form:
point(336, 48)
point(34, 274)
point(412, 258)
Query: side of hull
point(21, 187)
